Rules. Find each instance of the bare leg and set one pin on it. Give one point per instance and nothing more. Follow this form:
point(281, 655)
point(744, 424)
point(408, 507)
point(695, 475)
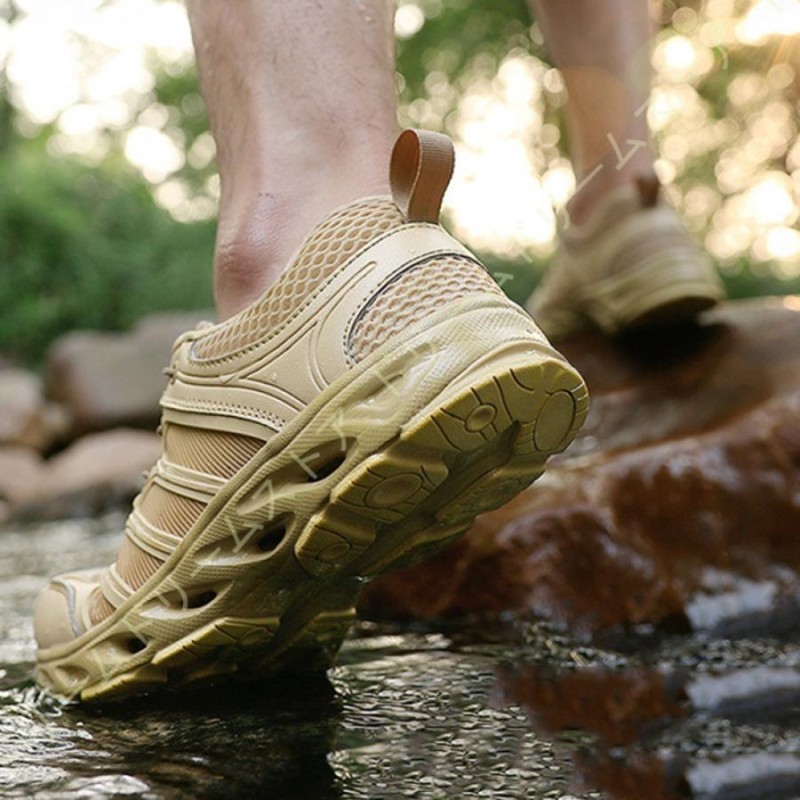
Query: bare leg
point(601, 47)
point(301, 100)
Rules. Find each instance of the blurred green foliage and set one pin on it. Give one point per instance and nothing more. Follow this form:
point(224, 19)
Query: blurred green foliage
point(455, 32)
point(84, 244)
point(82, 247)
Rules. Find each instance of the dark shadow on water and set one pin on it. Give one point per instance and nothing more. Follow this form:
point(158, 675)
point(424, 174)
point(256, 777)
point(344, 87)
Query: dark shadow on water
point(253, 740)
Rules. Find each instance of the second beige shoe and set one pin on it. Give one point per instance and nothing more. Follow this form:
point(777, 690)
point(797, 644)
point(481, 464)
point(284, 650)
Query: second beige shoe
point(354, 419)
point(631, 264)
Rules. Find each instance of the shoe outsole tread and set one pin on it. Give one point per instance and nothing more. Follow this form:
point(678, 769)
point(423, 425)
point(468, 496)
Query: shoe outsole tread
point(482, 439)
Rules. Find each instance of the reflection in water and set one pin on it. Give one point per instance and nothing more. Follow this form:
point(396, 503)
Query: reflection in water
point(646, 715)
point(270, 741)
point(701, 717)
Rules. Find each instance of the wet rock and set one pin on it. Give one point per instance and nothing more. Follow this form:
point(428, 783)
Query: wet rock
point(26, 418)
point(686, 476)
point(107, 380)
point(101, 471)
point(20, 471)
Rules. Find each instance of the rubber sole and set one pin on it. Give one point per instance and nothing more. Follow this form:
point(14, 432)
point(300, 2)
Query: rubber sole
point(283, 594)
point(666, 290)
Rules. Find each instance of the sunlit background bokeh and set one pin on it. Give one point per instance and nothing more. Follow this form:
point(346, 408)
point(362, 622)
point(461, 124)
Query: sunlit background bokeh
point(108, 87)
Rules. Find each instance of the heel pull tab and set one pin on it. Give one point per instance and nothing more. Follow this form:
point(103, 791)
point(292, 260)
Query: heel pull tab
point(649, 188)
point(421, 168)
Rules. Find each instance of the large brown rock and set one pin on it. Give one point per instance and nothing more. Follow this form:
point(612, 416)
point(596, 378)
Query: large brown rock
point(107, 380)
point(686, 479)
point(20, 472)
point(26, 418)
point(99, 472)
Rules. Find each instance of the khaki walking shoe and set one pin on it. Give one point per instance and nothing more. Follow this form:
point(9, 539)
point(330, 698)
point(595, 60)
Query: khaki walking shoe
point(353, 420)
point(631, 264)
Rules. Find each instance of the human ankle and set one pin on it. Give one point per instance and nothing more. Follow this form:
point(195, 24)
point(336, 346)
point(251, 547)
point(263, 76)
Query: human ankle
point(595, 184)
point(259, 230)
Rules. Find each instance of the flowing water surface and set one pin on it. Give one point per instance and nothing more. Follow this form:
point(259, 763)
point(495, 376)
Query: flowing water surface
point(475, 711)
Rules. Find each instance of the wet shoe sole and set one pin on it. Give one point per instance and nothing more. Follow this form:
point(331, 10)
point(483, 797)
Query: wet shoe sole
point(270, 580)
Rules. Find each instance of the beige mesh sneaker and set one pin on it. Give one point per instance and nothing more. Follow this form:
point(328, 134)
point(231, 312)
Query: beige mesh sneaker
point(353, 420)
point(631, 264)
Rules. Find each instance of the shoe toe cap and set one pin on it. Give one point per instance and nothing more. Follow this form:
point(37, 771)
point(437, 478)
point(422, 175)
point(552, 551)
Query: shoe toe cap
point(52, 617)
point(57, 615)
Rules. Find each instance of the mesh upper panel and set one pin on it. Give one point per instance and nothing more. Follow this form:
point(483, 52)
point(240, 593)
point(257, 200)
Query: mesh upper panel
point(170, 512)
point(329, 246)
point(163, 509)
point(134, 565)
point(99, 607)
point(415, 294)
point(213, 452)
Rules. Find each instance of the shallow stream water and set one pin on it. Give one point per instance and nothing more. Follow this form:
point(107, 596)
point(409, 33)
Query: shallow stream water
point(509, 710)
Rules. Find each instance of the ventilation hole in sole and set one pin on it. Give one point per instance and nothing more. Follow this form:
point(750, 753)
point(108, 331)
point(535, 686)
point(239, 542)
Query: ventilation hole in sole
point(313, 466)
point(328, 468)
point(135, 645)
point(255, 544)
point(319, 463)
point(183, 600)
point(324, 460)
point(272, 537)
point(201, 599)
